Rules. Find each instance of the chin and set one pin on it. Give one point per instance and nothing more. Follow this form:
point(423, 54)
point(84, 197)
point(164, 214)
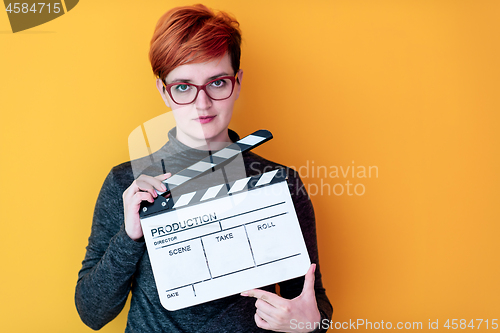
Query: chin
point(212, 132)
point(211, 137)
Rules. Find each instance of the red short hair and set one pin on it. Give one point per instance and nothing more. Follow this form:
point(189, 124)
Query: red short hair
point(193, 34)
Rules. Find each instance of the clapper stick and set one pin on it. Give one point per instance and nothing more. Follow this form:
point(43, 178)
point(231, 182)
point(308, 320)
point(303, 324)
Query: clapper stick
point(204, 166)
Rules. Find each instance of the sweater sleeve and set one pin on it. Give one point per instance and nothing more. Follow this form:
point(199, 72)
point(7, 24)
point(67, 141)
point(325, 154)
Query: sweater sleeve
point(305, 213)
point(104, 281)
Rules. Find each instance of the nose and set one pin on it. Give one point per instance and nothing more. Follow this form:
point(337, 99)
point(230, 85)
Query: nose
point(203, 102)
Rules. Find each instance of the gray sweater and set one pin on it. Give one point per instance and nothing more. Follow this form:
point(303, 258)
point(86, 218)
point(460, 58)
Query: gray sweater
point(115, 265)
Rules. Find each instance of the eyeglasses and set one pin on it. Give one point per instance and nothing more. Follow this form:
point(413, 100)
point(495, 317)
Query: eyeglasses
point(185, 93)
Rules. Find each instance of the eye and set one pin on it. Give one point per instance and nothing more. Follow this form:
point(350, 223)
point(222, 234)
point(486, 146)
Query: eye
point(218, 83)
point(182, 87)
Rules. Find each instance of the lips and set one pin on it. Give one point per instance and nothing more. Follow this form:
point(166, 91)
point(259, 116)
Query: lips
point(205, 119)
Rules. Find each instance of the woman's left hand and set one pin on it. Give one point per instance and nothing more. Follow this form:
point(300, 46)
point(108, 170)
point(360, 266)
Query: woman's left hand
point(278, 314)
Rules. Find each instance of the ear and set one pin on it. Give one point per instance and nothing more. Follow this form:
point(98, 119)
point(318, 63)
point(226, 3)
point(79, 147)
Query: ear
point(163, 92)
point(237, 88)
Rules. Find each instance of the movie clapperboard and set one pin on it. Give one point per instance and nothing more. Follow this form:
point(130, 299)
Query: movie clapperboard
point(225, 239)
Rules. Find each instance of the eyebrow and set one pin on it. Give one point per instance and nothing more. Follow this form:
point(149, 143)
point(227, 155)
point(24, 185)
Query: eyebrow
point(208, 80)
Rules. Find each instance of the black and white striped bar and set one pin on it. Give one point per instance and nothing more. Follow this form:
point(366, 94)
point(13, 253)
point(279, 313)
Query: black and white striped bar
point(221, 190)
point(205, 165)
point(247, 143)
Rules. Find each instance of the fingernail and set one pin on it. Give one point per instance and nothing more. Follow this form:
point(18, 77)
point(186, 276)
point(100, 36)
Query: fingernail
point(244, 294)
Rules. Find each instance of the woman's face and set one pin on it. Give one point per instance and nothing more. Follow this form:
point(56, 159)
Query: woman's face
point(204, 122)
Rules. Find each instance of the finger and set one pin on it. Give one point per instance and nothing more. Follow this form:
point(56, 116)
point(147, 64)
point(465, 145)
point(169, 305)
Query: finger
point(267, 318)
point(266, 308)
point(309, 280)
point(150, 183)
point(164, 176)
point(137, 186)
point(142, 184)
point(261, 322)
point(130, 191)
point(144, 187)
point(139, 197)
point(161, 178)
point(158, 183)
point(270, 298)
point(153, 185)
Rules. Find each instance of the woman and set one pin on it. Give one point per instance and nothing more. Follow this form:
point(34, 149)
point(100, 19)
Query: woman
point(195, 55)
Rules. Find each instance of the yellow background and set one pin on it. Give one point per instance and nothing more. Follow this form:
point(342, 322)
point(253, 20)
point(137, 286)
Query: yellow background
point(411, 87)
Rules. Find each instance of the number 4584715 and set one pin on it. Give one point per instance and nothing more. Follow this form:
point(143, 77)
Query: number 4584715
point(462, 324)
point(24, 7)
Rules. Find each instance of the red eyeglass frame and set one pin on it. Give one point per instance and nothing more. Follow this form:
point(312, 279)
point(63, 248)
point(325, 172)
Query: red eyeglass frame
point(200, 87)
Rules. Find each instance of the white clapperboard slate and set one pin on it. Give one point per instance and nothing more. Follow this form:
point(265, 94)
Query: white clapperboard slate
point(225, 239)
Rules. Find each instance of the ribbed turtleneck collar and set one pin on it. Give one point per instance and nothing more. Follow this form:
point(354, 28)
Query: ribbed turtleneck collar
point(176, 147)
point(172, 157)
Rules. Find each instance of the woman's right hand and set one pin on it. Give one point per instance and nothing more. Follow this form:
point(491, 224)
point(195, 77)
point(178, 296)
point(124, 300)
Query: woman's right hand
point(142, 189)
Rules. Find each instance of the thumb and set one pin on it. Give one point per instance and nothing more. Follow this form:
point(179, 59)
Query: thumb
point(309, 282)
point(165, 176)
